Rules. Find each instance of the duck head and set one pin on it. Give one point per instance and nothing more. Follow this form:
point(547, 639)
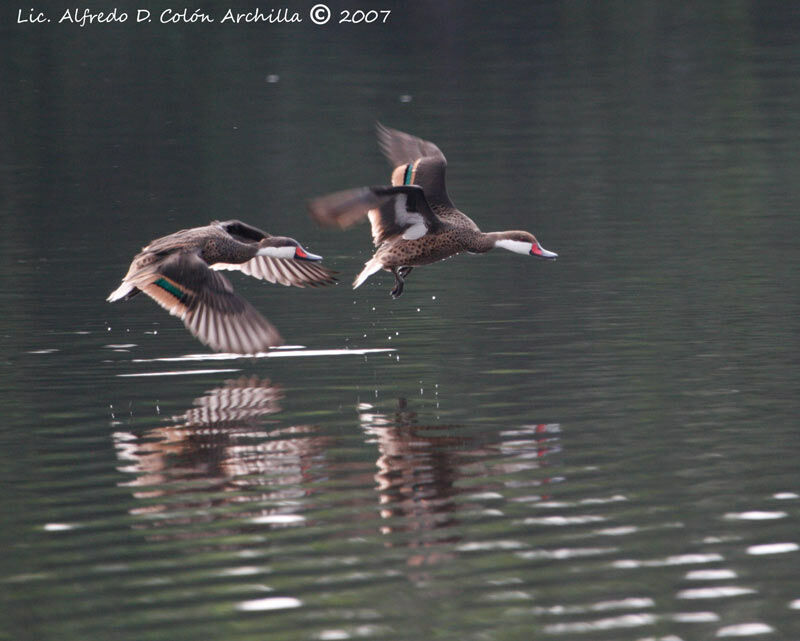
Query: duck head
point(522, 242)
point(284, 247)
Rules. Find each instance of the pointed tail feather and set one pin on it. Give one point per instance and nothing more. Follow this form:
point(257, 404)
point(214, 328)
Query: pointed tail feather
point(123, 291)
point(370, 267)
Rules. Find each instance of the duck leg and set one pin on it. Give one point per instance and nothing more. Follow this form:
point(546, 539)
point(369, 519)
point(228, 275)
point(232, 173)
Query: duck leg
point(397, 290)
point(404, 271)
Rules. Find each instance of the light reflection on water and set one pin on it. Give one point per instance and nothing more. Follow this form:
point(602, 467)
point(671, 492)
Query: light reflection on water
point(244, 501)
point(230, 469)
point(223, 454)
point(232, 478)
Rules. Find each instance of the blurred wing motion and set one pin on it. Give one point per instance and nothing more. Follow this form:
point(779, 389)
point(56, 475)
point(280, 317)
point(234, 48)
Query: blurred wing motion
point(418, 162)
point(393, 211)
point(206, 303)
point(401, 148)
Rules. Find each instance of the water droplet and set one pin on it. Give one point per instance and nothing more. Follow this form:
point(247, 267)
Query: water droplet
point(273, 78)
point(406, 98)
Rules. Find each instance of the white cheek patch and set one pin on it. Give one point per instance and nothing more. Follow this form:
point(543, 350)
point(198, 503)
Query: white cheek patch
point(516, 246)
point(277, 252)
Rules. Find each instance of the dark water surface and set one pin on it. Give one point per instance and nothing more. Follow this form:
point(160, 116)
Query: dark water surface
point(604, 447)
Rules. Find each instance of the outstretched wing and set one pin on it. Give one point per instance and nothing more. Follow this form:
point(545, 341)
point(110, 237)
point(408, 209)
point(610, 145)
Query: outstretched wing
point(285, 271)
point(393, 211)
point(206, 303)
point(401, 148)
point(416, 161)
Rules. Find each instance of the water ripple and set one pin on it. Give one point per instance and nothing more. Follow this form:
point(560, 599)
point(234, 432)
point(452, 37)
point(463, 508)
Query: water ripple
point(718, 592)
point(563, 520)
point(710, 575)
point(187, 372)
point(755, 515)
point(281, 352)
point(745, 630)
point(566, 553)
point(610, 623)
point(680, 559)
point(269, 603)
point(773, 548)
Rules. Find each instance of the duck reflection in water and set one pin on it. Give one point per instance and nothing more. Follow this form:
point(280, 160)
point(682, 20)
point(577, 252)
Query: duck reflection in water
point(222, 452)
point(420, 466)
point(416, 467)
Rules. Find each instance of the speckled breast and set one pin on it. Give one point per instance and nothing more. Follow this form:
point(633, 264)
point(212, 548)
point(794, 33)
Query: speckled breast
point(421, 251)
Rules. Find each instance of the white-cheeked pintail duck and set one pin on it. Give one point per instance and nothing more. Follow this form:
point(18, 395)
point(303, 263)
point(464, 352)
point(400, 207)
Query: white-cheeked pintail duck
point(414, 222)
point(179, 272)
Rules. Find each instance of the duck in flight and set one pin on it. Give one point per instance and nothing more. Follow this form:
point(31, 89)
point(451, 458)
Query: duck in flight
point(414, 222)
point(180, 272)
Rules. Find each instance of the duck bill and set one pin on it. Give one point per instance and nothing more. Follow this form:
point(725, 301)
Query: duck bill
point(302, 254)
point(540, 252)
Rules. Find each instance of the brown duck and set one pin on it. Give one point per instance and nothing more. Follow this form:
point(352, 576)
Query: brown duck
point(414, 222)
point(179, 272)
